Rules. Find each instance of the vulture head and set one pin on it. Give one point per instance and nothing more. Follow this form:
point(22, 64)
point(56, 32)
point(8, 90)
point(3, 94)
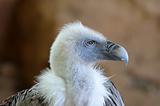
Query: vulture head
point(77, 43)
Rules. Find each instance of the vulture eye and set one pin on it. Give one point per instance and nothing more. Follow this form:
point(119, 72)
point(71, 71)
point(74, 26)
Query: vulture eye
point(88, 43)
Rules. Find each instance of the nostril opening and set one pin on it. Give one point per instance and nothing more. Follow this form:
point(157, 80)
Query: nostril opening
point(109, 46)
point(115, 47)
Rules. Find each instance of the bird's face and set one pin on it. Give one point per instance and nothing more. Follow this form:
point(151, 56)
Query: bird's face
point(93, 49)
point(80, 42)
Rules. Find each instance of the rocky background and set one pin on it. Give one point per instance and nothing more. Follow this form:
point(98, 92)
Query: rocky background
point(28, 27)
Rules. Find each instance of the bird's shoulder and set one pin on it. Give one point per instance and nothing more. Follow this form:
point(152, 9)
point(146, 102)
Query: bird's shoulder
point(27, 97)
point(114, 99)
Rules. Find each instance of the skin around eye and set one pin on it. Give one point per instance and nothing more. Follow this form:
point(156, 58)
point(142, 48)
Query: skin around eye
point(89, 42)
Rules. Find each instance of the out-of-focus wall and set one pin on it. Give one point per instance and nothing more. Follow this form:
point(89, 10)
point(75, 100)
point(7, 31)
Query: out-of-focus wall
point(7, 70)
point(133, 23)
point(26, 41)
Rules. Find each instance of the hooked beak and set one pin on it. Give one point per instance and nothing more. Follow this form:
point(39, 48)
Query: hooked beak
point(115, 52)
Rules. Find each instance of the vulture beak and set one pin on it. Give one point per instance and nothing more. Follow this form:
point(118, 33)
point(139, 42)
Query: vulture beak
point(115, 52)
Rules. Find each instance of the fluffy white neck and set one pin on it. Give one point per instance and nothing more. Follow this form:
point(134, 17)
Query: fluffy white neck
point(71, 82)
point(86, 86)
point(83, 86)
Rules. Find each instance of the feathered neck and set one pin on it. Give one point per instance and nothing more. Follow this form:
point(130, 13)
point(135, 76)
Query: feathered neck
point(84, 87)
point(87, 84)
point(83, 84)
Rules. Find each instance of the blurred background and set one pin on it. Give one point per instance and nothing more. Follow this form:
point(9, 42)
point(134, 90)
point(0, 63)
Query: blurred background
point(28, 27)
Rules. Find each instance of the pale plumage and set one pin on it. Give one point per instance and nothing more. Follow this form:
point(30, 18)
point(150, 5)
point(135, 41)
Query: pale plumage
point(73, 78)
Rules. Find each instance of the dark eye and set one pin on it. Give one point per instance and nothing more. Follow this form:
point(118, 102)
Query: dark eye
point(89, 42)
